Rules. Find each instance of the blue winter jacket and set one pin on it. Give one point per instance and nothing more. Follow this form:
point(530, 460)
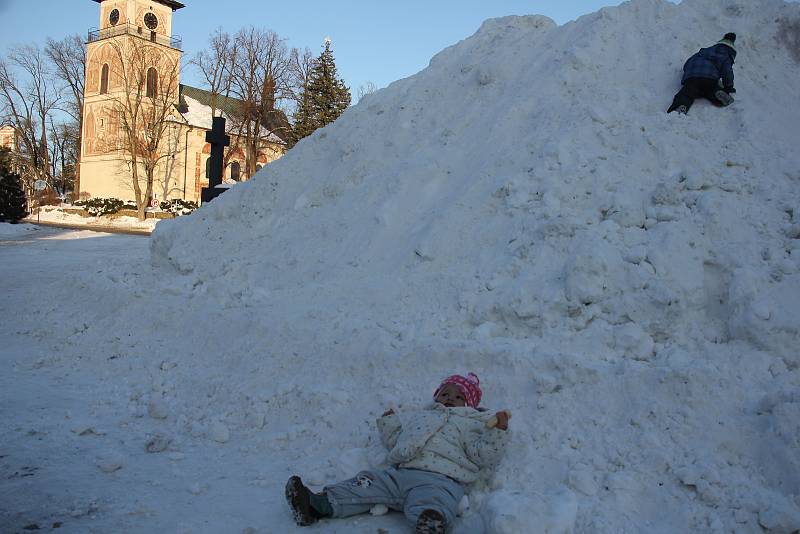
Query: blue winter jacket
point(713, 63)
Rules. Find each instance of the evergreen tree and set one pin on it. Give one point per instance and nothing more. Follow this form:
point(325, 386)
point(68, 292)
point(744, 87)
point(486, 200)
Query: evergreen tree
point(12, 197)
point(324, 97)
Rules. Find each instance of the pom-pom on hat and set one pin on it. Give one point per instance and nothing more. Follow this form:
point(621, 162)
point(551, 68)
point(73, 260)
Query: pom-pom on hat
point(469, 386)
point(729, 40)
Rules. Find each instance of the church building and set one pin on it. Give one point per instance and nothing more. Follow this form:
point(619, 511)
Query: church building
point(8, 138)
point(125, 86)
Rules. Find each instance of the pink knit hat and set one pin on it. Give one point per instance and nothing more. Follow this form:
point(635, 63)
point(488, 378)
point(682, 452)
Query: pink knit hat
point(469, 386)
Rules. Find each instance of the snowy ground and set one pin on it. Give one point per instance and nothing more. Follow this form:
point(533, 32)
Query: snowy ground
point(50, 214)
point(625, 281)
point(73, 447)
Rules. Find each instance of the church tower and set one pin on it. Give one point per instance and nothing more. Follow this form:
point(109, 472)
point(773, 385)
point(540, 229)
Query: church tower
point(126, 27)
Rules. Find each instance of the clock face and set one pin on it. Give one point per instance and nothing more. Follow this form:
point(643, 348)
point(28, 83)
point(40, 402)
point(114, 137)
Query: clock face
point(113, 18)
point(151, 21)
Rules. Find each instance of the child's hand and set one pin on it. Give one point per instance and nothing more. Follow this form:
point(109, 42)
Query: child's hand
point(502, 419)
point(388, 412)
point(499, 420)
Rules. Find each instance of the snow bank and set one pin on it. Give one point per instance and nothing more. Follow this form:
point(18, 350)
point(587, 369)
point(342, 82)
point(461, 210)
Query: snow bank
point(625, 280)
point(57, 215)
point(9, 230)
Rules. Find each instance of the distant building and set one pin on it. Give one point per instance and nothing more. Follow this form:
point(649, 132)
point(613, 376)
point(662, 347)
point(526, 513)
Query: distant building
point(8, 138)
point(183, 172)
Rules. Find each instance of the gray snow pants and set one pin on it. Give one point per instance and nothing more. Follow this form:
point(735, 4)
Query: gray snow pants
point(406, 490)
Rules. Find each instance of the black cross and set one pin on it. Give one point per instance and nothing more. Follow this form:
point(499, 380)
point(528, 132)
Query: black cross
point(218, 141)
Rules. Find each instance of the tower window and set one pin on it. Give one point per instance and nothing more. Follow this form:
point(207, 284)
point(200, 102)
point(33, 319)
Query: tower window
point(104, 79)
point(152, 82)
point(236, 171)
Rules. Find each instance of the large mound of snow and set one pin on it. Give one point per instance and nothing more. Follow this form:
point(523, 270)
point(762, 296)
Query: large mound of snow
point(531, 168)
point(626, 281)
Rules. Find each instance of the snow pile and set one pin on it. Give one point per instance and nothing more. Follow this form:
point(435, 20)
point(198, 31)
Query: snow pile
point(14, 230)
point(626, 281)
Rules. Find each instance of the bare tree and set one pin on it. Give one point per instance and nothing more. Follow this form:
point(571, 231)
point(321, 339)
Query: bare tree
point(54, 149)
point(28, 105)
point(215, 65)
point(366, 89)
point(143, 106)
point(302, 65)
point(68, 56)
point(64, 152)
point(261, 78)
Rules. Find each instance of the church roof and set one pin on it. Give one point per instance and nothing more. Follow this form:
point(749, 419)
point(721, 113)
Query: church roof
point(275, 120)
point(169, 3)
point(226, 104)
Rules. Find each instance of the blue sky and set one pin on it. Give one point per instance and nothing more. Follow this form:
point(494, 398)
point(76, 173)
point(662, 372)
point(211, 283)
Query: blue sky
point(373, 40)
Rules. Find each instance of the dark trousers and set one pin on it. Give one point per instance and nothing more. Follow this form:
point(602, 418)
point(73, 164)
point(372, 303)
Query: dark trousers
point(695, 88)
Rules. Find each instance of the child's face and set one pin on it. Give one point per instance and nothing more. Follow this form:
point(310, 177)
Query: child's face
point(450, 395)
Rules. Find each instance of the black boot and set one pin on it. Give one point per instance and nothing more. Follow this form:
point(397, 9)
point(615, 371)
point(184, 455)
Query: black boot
point(681, 103)
point(299, 498)
point(431, 522)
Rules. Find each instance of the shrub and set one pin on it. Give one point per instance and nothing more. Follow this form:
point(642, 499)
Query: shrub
point(49, 198)
point(104, 206)
point(13, 204)
point(178, 206)
point(12, 199)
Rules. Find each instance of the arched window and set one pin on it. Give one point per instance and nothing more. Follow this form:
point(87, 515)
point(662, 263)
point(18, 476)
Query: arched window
point(208, 168)
point(104, 79)
point(236, 171)
point(152, 82)
point(258, 168)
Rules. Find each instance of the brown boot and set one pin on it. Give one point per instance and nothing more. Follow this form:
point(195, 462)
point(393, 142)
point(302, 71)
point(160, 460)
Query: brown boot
point(299, 498)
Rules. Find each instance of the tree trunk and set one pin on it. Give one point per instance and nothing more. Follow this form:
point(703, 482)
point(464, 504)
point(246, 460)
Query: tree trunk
point(148, 190)
point(141, 203)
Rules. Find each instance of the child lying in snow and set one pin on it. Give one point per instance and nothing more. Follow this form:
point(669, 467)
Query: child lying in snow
point(435, 451)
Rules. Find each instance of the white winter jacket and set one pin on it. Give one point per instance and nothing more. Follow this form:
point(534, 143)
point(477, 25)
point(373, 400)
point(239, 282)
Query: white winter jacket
point(451, 441)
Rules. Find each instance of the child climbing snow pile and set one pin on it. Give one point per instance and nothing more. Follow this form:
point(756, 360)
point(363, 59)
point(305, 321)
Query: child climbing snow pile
point(434, 453)
point(702, 74)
